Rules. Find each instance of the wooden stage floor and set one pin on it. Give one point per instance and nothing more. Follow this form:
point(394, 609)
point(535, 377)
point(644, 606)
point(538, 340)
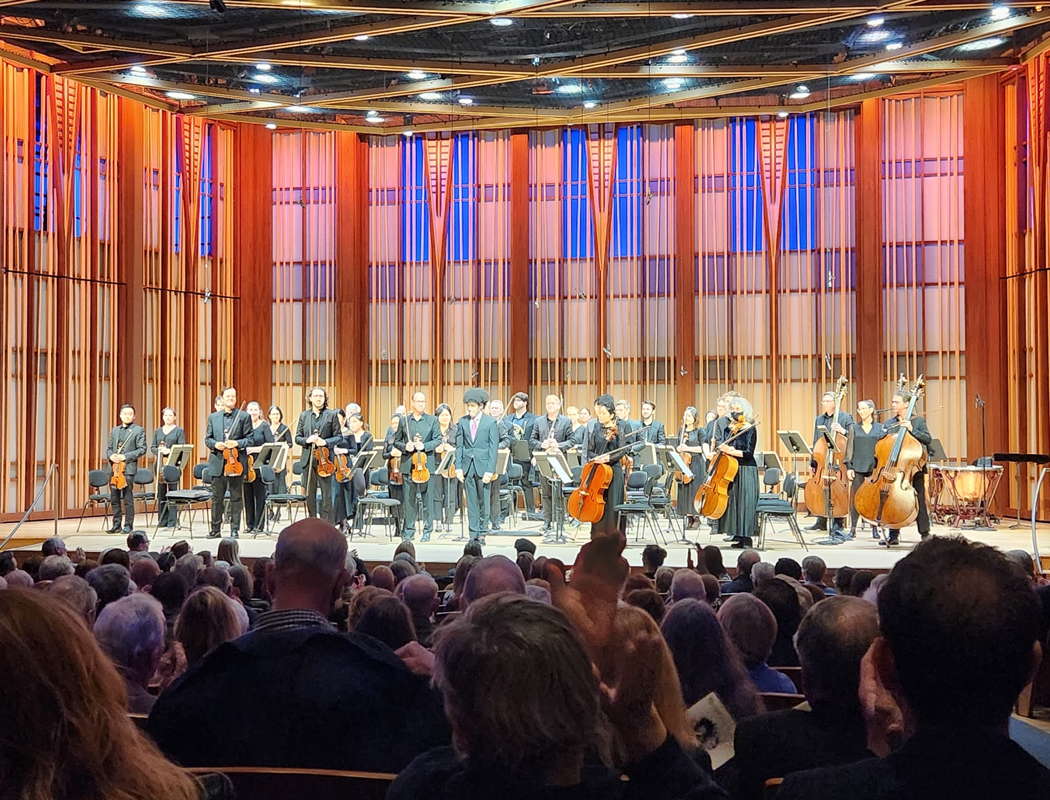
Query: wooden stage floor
point(446, 547)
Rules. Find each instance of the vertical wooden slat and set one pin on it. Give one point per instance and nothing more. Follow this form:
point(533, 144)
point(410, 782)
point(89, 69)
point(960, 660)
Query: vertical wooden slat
point(519, 306)
point(351, 288)
point(131, 373)
point(684, 276)
point(868, 227)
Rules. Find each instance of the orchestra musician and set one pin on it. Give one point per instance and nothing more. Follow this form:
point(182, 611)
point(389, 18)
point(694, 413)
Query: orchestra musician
point(394, 478)
point(443, 493)
point(127, 442)
point(833, 425)
point(860, 457)
point(605, 433)
point(255, 491)
point(279, 432)
point(623, 414)
point(165, 437)
point(505, 431)
point(227, 429)
point(419, 434)
point(521, 422)
point(318, 426)
point(917, 427)
point(552, 431)
point(691, 441)
point(356, 438)
point(741, 517)
point(652, 431)
point(477, 439)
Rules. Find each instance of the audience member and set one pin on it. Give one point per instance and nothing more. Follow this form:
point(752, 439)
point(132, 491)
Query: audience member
point(714, 564)
point(181, 548)
point(188, 566)
point(958, 643)
point(144, 571)
point(752, 627)
point(115, 555)
point(860, 582)
point(388, 620)
point(54, 567)
point(831, 641)
point(68, 735)
point(383, 578)
point(662, 578)
point(843, 577)
point(77, 594)
point(360, 601)
point(301, 688)
point(137, 542)
point(131, 631)
point(648, 600)
point(420, 595)
point(637, 580)
point(871, 594)
point(815, 571)
point(523, 545)
point(789, 567)
point(524, 702)
point(687, 584)
point(816, 594)
point(490, 576)
point(53, 546)
point(745, 562)
point(539, 564)
point(762, 572)
point(805, 597)
point(8, 563)
point(259, 590)
point(31, 565)
point(84, 567)
point(401, 569)
point(166, 561)
point(712, 590)
point(473, 548)
point(782, 599)
point(539, 593)
point(229, 551)
point(217, 577)
point(707, 660)
point(19, 579)
point(653, 557)
point(453, 598)
point(111, 582)
point(207, 619)
point(524, 562)
point(170, 590)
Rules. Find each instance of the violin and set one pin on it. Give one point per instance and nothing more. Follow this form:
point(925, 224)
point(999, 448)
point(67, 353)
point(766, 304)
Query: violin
point(684, 477)
point(450, 472)
point(250, 477)
point(232, 466)
point(827, 492)
point(887, 496)
point(342, 467)
point(393, 471)
point(119, 478)
point(323, 463)
point(712, 498)
point(420, 473)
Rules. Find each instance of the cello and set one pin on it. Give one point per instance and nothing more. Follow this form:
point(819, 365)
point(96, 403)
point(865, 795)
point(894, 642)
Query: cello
point(712, 498)
point(827, 491)
point(587, 501)
point(887, 496)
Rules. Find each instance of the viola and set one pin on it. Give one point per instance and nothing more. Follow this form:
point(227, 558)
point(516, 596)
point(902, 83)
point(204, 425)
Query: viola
point(232, 466)
point(827, 491)
point(684, 477)
point(712, 498)
point(342, 467)
point(450, 471)
point(323, 462)
point(250, 477)
point(887, 496)
point(393, 471)
point(420, 473)
point(119, 479)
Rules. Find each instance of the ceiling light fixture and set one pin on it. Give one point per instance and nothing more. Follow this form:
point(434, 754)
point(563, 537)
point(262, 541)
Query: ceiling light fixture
point(801, 92)
point(569, 88)
point(149, 10)
point(429, 96)
point(181, 96)
point(983, 44)
point(673, 83)
point(466, 101)
point(271, 126)
point(254, 90)
point(262, 66)
point(782, 114)
point(679, 52)
point(876, 21)
point(875, 36)
point(407, 134)
point(589, 104)
point(895, 45)
point(263, 77)
point(678, 59)
point(137, 70)
point(682, 16)
point(374, 119)
point(861, 76)
point(300, 109)
point(501, 22)
point(415, 75)
point(364, 37)
point(999, 11)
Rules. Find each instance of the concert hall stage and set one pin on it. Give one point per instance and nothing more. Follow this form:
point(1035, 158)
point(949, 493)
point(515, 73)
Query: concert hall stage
point(445, 548)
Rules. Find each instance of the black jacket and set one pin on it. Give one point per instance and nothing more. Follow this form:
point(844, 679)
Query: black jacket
point(130, 442)
point(308, 697)
point(326, 426)
point(235, 426)
point(542, 427)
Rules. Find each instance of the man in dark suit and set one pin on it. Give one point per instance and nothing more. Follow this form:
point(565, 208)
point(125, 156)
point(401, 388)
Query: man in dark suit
point(623, 413)
point(917, 427)
point(300, 688)
point(831, 641)
point(127, 442)
point(419, 433)
point(231, 427)
point(519, 424)
point(652, 431)
point(832, 425)
point(477, 439)
point(743, 583)
point(958, 641)
point(551, 432)
point(318, 426)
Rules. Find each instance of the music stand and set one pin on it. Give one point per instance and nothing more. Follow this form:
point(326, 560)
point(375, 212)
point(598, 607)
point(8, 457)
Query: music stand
point(674, 462)
point(795, 444)
point(273, 455)
point(647, 455)
point(769, 460)
point(572, 458)
point(556, 473)
point(503, 459)
point(179, 456)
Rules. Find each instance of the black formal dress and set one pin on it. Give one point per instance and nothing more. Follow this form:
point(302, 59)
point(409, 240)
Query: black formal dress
point(255, 491)
point(698, 469)
point(741, 518)
point(169, 516)
point(827, 420)
point(443, 493)
point(860, 457)
point(596, 442)
point(130, 442)
point(520, 427)
point(326, 425)
point(235, 426)
point(347, 493)
point(921, 432)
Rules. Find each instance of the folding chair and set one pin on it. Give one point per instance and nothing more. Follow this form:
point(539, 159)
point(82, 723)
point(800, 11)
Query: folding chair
point(291, 499)
point(378, 500)
point(97, 480)
point(772, 507)
point(639, 482)
point(177, 498)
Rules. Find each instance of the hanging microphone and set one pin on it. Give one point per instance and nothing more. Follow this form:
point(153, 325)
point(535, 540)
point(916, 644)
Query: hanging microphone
point(978, 402)
point(827, 362)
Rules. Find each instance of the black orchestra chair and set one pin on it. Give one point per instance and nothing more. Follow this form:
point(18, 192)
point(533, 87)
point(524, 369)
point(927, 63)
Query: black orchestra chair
point(381, 501)
point(177, 498)
point(771, 507)
point(98, 480)
point(291, 499)
point(770, 480)
point(144, 477)
point(510, 489)
point(640, 506)
point(660, 499)
point(268, 477)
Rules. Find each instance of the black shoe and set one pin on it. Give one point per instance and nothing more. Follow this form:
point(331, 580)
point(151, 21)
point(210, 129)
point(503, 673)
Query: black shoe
point(923, 534)
point(729, 539)
point(233, 534)
point(127, 529)
point(741, 544)
point(819, 525)
point(115, 528)
point(213, 535)
point(889, 542)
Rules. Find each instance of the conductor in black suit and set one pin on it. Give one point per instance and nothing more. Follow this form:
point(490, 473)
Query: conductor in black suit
point(477, 439)
point(553, 431)
point(230, 427)
point(127, 442)
point(652, 431)
point(917, 427)
point(318, 426)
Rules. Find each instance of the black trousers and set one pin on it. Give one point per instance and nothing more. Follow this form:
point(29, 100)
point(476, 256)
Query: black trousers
point(548, 501)
point(219, 485)
point(123, 499)
point(254, 504)
point(169, 515)
point(526, 485)
point(443, 495)
point(415, 502)
point(854, 515)
point(479, 499)
point(922, 521)
point(314, 482)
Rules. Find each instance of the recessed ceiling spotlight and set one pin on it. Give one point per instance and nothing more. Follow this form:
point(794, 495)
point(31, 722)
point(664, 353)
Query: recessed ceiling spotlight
point(875, 36)
point(264, 77)
point(895, 45)
point(262, 66)
point(415, 75)
point(983, 44)
point(679, 52)
point(861, 76)
point(374, 119)
point(271, 126)
point(801, 92)
point(254, 90)
point(999, 11)
point(407, 134)
point(673, 83)
point(181, 95)
point(569, 88)
point(589, 104)
point(782, 114)
point(364, 37)
point(876, 21)
point(429, 96)
point(501, 22)
point(300, 109)
point(466, 101)
point(678, 59)
point(682, 16)
point(137, 70)
point(150, 10)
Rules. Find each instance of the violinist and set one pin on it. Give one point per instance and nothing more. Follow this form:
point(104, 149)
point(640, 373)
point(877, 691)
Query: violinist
point(551, 432)
point(279, 432)
point(419, 434)
point(833, 425)
point(623, 413)
point(604, 434)
point(741, 517)
point(521, 422)
point(355, 439)
point(165, 437)
point(126, 443)
point(394, 478)
point(917, 427)
point(652, 431)
point(255, 491)
point(317, 427)
point(691, 443)
point(477, 439)
point(227, 429)
point(443, 493)
point(860, 456)
point(579, 426)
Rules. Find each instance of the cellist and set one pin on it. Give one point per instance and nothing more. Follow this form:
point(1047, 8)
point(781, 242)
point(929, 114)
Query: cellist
point(916, 426)
point(604, 434)
point(832, 424)
point(741, 517)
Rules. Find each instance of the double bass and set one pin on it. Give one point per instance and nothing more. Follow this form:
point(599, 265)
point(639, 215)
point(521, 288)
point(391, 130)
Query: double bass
point(887, 496)
point(712, 498)
point(827, 491)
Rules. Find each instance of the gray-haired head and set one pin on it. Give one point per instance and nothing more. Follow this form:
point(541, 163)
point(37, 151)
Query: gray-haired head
point(53, 546)
point(761, 572)
point(78, 593)
point(131, 631)
point(19, 578)
point(54, 567)
point(492, 575)
point(687, 585)
point(111, 582)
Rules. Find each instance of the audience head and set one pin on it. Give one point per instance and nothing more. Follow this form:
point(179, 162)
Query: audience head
point(229, 551)
point(539, 564)
point(137, 542)
point(360, 602)
point(53, 547)
point(388, 620)
point(405, 546)
point(7, 562)
point(524, 562)
point(761, 572)
point(401, 569)
point(648, 600)
point(68, 705)
point(259, 568)
point(459, 578)
point(860, 582)
point(959, 628)
point(180, 548)
point(831, 641)
point(712, 561)
point(383, 578)
point(166, 561)
point(77, 594)
point(131, 631)
point(653, 557)
point(31, 565)
point(207, 559)
point(871, 594)
point(712, 589)
point(207, 619)
point(187, 566)
point(706, 659)
point(420, 594)
point(217, 577)
point(115, 556)
point(308, 570)
point(662, 578)
point(242, 583)
point(519, 688)
point(490, 576)
point(789, 567)
point(814, 569)
point(524, 545)
point(111, 582)
point(686, 584)
point(750, 625)
point(143, 572)
point(636, 580)
point(783, 600)
point(746, 561)
point(540, 594)
point(473, 548)
point(843, 578)
point(815, 592)
point(54, 567)
point(170, 589)
point(19, 579)
point(84, 567)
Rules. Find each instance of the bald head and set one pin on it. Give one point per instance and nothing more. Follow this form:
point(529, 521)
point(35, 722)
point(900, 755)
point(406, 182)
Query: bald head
point(686, 585)
point(831, 641)
point(419, 593)
point(309, 566)
point(383, 578)
point(746, 560)
point(490, 576)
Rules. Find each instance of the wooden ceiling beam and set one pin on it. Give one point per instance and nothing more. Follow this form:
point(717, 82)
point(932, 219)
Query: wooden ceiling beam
point(748, 70)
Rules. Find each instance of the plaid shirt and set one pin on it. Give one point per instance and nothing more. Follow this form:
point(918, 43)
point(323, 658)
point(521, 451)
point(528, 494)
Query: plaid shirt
point(291, 619)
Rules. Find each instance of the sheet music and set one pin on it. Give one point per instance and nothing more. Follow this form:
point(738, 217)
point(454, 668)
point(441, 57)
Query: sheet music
point(715, 728)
